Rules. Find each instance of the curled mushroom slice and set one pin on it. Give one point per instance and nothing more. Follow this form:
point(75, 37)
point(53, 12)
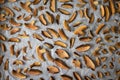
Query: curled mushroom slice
point(35, 2)
point(61, 64)
point(50, 17)
point(35, 64)
point(58, 18)
point(42, 19)
point(98, 61)
point(14, 30)
point(12, 52)
point(83, 48)
point(31, 25)
point(63, 11)
point(13, 22)
point(77, 76)
point(23, 35)
point(14, 39)
point(6, 64)
point(53, 5)
point(16, 8)
point(18, 74)
point(62, 34)
point(100, 74)
point(85, 39)
point(108, 37)
point(80, 30)
point(72, 41)
point(64, 1)
point(67, 5)
point(81, 13)
point(112, 7)
point(92, 5)
point(76, 24)
point(2, 37)
point(45, 2)
point(49, 45)
point(66, 77)
point(49, 56)
point(53, 69)
point(27, 18)
point(3, 47)
point(53, 32)
point(46, 34)
point(102, 11)
point(1, 59)
point(107, 13)
point(62, 53)
point(92, 18)
point(73, 16)
point(2, 17)
point(60, 43)
point(26, 6)
point(89, 63)
point(117, 45)
point(8, 11)
point(20, 17)
point(35, 12)
point(86, 13)
point(76, 63)
point(34, 72)
point(100, 26)
point(18, 62)
point(37, 36)
point(66, 25)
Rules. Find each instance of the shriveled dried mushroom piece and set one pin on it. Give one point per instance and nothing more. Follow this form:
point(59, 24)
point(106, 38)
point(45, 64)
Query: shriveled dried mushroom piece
point(72, 41)
point(27, 18)
point(18, 62)
point(1, 59)
point(31, 25)
point(50, 17)
point(18, 74)
point(83, 48)
point(2, 37)
point(46, 34)
point(77, 76)
point(8, 11)
point(37, 36)
point(92, 5)
point(100, 26)
point(73, 16)
point(35, 2)
point(14, 39)
point(80, 30)
point(63, 11)
point(67, 5)
point(107, 13)
point(14, 30)
point(64, 1)
point(34, 72)
point(53, 69)
point(6, 64)
point(49, 56)
point(76, 63)
point(62, 34)
point(13, 22)
point(2, 17)
point(42, 19)
point(3, 47)
point(66, 25)
point(53, 5)
point(60, 43)
point(53, 32)
point(66, 77)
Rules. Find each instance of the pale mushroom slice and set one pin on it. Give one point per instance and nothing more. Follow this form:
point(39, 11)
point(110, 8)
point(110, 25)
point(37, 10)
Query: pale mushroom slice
point(42, 19)
point(77, 63)
point(62, 53)
point(34, 72)
point(62, 34)
point(89, 62)
point(102, 10)
point(83, 47)
point(81, 13)
point(46, 34)
point(107, 13)
point(53, 5)
point(61, 64)
point(53, 69)
point(31, 25)
point(60, 43)
point(18, 74)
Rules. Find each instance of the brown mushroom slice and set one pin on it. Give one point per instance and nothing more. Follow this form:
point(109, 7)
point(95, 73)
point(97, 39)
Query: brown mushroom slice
point(16, 8)
point(35, 12)
point(3, 47)
point(14, 39)
point(102, 10)
point(77, 76)
point(93, 76)
point(20, 17)
point(85, 39)
point(31, 25)
point(81, 13)
point(6, 64)
point(58, 18)
point(37, 36)
point(92, 5)
point(83, 48)
point(2, 1)
point(42, 19)
point(12, 0)
point(73, 16)
point(64, 1)
point(62, 53)
point(1, 59)
point(35, 2)
point(72, 41)
point(34, 72)
point(53, 69)
point(49, 56)
point(35, 64)
point(80, 30)
point(89, 62)
point(2, 17)
point(66, 25)
point(62, 34)
point(8, 11)
point(49, 45)
point(66, 77)
point(53, 32)
point(2, 37)
point(67, 5)
point(13, 22)
point(98, 62)
point(92, 18)
point(63, 11)
point(23, 35)
point(107, 13)
point(100, 74)
point(76, 24)
point(117, 45)
point(27, 18)
point(100, 26)
point(60, 43)
point(18, 62)
point(50, 17)
point(61, 64)
point(40, 51)
point(14, 30)
point(12, 52)
point(45, 2)
point(26, 6)
point(86, 13)
point(112, 7)
point(76, 63)
point(53, 5)
point(18, 75)
point(47, 34)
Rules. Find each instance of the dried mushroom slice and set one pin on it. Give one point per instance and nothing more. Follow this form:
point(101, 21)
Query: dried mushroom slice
point(102, 10)
point(2, 37)
point(35, 12)
point(57, 18)
point(100, 74)
point(34, 72)
point(112, 6)
point(53, 32)
point(42, 19)
point(8, 11)
point(12, 52)
point(26, 6)
point(49, 45)
point(53, 5)
point(16, 8)
point(12, 0)
point(2, 1)
point(27, 18)
point(80, 30)
point(37, 36)
point(73, 16)
point(18, 74)
point(82, 1)
point(100, 26)
point(35, 2)
point(60, 43)
point(72, 41)
point(47, 34)
point(3, 47)
point(53, 69)
point(67, 5)
point(76, 63)
point(14, 39)
point(50, 17)
point(92, 5)
point(2, 17)
point(66, 25)
point(64, 1)
point(14, 30)
point(13, 22)
point(81, 13)
point(61, 64)
point(107, 13)
point(89, 62)
point(6, 64)
point(92, 18)
point(45, 2)
point(85, 39)
point(18, 62)
point(62, 34)
point(62, 53)
point(1, 59)
point(63, 11)
point(66, 77)
point(49, 56)
point(86, 13)
point(35, 64)
point(77, 76)
point(83, 48)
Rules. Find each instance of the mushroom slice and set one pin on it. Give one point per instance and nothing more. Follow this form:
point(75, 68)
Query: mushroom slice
point(35, 12)
point(1, 59)
point(86, 13)
point(98, 61)
point(35, 64)
point(20, 17)
point(53, 69)
point(67, 5)
point(64, 1)
point(34, 72)
point(26, 6)
point(89, 63)
point(63, 11)
point(72, 41)
point(77, 76)
point(80, 30)
point(49, 56)
point(42, 19)
point(12, 52)
point(85, 39)
point(2, 17)
point(16, 8)
point(14, 39)
point(66, 77)
point(100, 74)
point(62, 34)
point(12, 0)
point(112, 7)
point(53, 5)
point(14, 30)
point(117, 45)
point(58, 18)
point(40, 51)
point(60, 43)
point(6, 64)
point(2, 1)
point(76, 63)
point(102, 11)
point(8, 11)
point(46, 34)
point(18, 62)
point(92, 5)
point(107, 13)
point(66, 25)
point(2, 37)
point(62, 53)
point(18, 75)
point(49, 45)
point(100, 26)
point(76, 24)
point(82, 1)
point(92, 18)
point(73, 16)
point(35, 2)
point(83, 48)
point(24, 35)
point(13, 22)
point(81, 13)
point(37, 36)
point(53, 32)
point(28, 18)
point(45, 2)
point(31, 25)
point(61, 64)
point(3, 47)
point(50, 17)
